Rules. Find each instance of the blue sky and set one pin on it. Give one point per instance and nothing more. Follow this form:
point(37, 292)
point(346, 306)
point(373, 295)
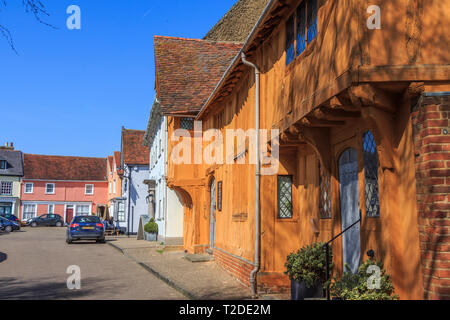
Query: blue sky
point(69, 92)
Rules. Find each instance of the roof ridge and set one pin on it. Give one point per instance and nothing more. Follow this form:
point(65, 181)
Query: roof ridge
point(199, 40)
point(48, 155)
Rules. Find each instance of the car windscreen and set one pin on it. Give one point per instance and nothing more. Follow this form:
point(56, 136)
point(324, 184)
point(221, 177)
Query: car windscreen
point(86, 220)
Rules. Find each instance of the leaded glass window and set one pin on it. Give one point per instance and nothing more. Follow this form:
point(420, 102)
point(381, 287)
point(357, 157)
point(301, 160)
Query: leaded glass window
point(290, 37)
point(312, 20)
point(371, 175)
point(284, 197)
point(325, 193)
point(187, 123)
point(301, 28)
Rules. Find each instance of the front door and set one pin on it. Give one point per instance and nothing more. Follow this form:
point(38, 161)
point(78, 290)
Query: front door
point(69, 214)
point(348, 176)
point(212, 219)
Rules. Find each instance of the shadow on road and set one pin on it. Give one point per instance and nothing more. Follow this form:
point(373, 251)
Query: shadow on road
point(3, 257)
point(49, 289)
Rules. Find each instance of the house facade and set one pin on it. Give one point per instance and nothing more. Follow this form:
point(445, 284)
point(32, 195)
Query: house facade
point(360, 120)
point(68, 186)
point(164, 203)
point(11, 173)
point(135, 166)
point(114, 185)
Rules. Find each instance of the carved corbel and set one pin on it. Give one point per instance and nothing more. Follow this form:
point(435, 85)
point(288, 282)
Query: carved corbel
point(368, 95)
point(319, 140)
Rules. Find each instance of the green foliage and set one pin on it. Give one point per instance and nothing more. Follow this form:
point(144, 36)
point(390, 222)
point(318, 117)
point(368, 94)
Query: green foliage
point(151, 226)
point(355, 286)
point(309, 265)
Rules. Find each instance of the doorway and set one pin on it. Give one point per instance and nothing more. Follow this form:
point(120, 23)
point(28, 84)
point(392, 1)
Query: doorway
point(69, 213)
point(212, 219)
point(349, 198)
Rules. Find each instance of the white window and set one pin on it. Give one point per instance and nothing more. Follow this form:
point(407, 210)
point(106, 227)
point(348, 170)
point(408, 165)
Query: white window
point(121, 212)
point(51, 208)
point(110, 187)
point(83, 210)
point(6, 188)
point(29, 211)
point(29, 187)
point(49, 188)
point(114, 186)
point(89, 189)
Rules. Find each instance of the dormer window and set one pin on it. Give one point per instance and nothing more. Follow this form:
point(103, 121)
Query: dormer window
point(3, 164)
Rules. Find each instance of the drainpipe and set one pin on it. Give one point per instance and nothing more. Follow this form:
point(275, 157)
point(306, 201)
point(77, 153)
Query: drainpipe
point(257, 182)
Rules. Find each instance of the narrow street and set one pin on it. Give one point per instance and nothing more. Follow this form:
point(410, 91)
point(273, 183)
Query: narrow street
point(33, 265)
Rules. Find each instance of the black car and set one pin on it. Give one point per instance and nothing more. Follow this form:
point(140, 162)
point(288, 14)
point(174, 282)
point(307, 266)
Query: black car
point(46, 220)
point(9, 225)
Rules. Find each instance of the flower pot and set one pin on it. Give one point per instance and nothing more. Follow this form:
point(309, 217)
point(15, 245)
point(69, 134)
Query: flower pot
point(299, 290)
point(150, 236)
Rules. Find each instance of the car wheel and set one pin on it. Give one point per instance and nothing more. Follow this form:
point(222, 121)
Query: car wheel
point(59, 224)
point(33, 224)
point(69, 241)
point(101, 241)
point(8, 229)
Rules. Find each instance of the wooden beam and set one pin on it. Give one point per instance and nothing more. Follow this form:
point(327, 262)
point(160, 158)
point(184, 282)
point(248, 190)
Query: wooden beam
point(325, 113)
point(368, 95)
point(317, 123)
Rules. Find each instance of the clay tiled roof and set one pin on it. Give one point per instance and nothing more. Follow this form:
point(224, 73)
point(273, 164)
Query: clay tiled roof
point(188, 70)
point(237, 23)
point(44, 167)
point(133, 151)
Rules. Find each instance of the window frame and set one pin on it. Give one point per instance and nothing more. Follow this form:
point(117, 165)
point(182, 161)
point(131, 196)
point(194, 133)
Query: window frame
point(3, 164)
point(11, 187)
point(119, 211)
point(46, 188)
point(82, 206)
point(366, 173)
point(306, 4)
point(279, 198)
point(85, 189)
point(186, 119)
point(32, 188)
point(34, 206)
point(53, 209)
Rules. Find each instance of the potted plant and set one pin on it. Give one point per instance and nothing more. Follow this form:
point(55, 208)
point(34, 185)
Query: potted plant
point(307, 271)
point(357, 286)
point(151, 230)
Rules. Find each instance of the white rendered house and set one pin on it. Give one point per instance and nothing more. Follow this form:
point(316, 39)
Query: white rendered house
point(167, 208)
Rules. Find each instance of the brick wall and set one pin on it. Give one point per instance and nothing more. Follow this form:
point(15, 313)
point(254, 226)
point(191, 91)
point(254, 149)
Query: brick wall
point(236, 267)
point(432, 161)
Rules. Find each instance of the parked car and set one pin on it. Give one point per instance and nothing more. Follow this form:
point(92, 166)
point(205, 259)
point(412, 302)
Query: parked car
point(86, 228)
point(11, 217)
point(9, 225)
point(46, 220)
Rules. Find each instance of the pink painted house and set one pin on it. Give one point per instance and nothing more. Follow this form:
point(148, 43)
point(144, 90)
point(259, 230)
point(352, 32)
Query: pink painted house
point(67, 186)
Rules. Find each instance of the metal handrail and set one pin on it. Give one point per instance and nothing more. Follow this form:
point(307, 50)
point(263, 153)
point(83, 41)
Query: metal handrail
point(327, 250)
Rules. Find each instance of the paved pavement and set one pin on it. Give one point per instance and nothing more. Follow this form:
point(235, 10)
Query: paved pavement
point(199, 281)
point(33, 265)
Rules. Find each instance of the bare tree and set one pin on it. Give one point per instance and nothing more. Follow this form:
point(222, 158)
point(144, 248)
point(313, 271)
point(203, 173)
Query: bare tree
point(36, 7)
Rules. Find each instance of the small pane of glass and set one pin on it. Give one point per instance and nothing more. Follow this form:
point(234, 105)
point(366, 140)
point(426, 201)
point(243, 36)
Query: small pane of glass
point(301, 28)
point(284, 197)
point(290, 37)
point(371, 175)
point(325, 193)
point(312, 20)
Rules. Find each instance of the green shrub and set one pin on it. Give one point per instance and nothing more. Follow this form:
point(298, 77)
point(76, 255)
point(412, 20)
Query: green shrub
point(151, 226)
point(309, 265)
point(355, 286)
